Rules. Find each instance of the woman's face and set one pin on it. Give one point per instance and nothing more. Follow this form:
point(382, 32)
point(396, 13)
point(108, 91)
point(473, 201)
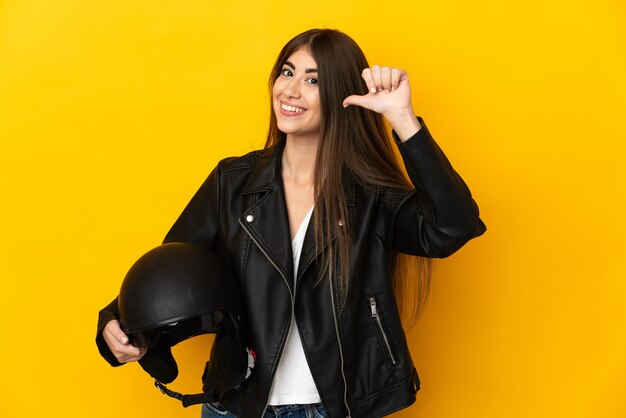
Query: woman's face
point(296, 97)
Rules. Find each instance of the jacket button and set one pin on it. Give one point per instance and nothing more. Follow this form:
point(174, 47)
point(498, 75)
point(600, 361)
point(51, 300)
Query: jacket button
point(249, 218)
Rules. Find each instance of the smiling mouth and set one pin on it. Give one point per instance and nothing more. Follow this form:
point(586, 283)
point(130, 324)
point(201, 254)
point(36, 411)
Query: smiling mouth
point(293, 109)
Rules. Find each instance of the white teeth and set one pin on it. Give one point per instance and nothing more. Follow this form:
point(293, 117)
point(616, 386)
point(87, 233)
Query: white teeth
point(292, 108)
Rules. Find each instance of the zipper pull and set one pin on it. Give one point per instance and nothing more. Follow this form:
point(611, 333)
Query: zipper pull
point(373, 307)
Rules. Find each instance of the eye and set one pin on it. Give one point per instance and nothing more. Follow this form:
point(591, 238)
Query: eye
point(312, 80)
point(286, 72)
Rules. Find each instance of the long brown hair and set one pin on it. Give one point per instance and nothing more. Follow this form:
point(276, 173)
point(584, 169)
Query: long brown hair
point(354, 144)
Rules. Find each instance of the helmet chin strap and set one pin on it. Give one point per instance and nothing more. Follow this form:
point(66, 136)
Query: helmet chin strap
point(205, 397)
point(187, 400)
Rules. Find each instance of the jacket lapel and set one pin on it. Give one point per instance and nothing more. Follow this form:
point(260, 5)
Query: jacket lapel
point(309, 252)
point(266, 220)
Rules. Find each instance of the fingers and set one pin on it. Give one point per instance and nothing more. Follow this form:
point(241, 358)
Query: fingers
point(119, 344)
point(138, 357)
point(115, 331)
point(368, 77)
point(396, 76)
point(385, 79)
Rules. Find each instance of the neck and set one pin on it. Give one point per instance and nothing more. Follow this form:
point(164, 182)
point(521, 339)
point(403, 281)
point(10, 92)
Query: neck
point(298, 160)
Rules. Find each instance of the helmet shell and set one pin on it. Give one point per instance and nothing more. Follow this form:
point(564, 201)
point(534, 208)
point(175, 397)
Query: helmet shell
point(174, 282)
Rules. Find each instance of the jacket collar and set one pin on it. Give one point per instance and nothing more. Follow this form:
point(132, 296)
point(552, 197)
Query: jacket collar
point(274, 237)
point(267, 171)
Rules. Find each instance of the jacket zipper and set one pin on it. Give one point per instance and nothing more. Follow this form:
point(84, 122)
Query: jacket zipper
point(343, 374)
point(376, 317)
point(332, 298)
point(291, 294)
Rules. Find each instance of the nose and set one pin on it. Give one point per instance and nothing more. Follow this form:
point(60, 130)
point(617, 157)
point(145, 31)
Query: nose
point(292, 89)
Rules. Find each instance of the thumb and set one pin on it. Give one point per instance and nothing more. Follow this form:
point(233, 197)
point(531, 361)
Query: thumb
point(355, 100)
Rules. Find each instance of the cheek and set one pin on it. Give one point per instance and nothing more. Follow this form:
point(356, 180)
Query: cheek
point(275, 91)
point(279, 85)
point(275, 101)
point(317, 106)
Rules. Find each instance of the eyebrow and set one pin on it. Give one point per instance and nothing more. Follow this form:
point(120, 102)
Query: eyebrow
point(306, 71)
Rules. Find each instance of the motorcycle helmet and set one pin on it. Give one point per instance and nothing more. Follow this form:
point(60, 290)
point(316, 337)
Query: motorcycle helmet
point(177, 291)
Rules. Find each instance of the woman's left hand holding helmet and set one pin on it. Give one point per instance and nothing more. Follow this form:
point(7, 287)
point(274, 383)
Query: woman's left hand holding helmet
point(390, 95)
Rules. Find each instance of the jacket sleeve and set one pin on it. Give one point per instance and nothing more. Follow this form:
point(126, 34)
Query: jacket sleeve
point(439, 216)
point(196, 224)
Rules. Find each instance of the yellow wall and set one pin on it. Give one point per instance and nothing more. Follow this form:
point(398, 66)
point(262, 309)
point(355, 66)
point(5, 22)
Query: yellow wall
point(113, 112)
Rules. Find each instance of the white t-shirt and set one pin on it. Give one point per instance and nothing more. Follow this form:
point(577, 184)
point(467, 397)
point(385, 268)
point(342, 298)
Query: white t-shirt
point(293, 382)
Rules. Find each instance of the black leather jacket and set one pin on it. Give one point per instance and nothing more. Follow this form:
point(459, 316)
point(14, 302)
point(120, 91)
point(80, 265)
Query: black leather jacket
point(357, 350)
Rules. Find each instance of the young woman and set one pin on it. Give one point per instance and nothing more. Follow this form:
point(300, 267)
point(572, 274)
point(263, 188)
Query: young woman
point(315, 226)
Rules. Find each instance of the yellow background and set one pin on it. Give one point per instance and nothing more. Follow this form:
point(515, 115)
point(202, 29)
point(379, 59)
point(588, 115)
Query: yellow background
point(113, 112)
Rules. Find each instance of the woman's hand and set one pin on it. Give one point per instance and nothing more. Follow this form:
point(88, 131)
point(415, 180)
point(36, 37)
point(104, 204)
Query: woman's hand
point(119, 344)
point(390, 95)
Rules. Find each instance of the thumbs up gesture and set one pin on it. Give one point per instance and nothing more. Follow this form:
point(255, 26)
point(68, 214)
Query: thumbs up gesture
point(390, 95)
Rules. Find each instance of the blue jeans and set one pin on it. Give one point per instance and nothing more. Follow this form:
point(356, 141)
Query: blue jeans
point(282, 411)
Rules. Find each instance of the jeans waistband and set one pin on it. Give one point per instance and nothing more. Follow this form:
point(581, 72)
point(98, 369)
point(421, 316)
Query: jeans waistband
point(284, 410)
